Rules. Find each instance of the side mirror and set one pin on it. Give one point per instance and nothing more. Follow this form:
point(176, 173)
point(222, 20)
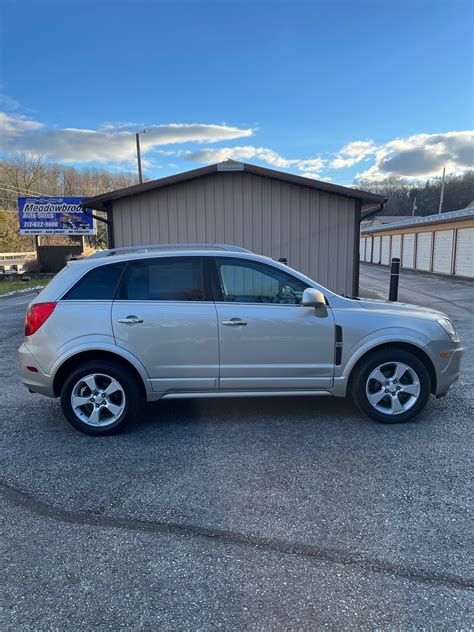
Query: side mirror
point(313, 298)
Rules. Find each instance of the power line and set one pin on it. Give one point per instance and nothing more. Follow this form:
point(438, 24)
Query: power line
point(19, 193)
point(14, 186)
point(15, 189)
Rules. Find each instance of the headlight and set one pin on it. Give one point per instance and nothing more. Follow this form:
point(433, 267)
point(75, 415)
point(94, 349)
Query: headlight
point(448, 327)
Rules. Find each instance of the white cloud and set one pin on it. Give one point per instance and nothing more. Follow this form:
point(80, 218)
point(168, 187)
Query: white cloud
point(119, 125)
point(312, 174)
point(8, 103)
point(12, 125)
point(312, 164)
point(113, 143)
point(352, 153)
point(249, 152)
point(423, 156)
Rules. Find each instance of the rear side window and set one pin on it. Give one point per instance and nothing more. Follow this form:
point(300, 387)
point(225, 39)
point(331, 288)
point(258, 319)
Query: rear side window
point(163, 279)
point(100, 284)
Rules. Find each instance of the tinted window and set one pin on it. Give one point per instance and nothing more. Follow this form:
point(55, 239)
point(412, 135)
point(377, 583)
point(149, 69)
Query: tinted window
point(249, 282)
point(170, 279)
point(99, 284)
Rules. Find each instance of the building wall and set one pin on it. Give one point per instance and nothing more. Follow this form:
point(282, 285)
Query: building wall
point(314, 230)
point(445, 248)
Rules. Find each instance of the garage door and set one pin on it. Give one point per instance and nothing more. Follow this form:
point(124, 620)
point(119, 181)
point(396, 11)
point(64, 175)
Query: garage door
point(376, 250)
point(443, 251)
point(464, 264)
point(385, 250)
point(362, 249)
point(396, 246)
point(423, 251)
point(408, 250)
point(368, 249)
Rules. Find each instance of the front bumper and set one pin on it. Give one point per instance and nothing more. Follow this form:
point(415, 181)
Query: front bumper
point(447, 369)
point(35, 381)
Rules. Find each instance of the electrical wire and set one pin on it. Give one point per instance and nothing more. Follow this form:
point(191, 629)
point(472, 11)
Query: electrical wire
point(15, 186)
point(14, 189)
point(17, 193)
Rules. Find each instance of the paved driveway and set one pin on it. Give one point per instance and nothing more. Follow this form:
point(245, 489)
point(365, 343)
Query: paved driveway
point(260, 514)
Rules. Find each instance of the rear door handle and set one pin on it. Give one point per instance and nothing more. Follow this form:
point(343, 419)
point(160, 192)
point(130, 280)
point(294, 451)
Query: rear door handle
point(130, 320)
point(234, 322)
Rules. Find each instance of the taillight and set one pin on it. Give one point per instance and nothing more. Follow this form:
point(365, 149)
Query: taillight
point(37, 315)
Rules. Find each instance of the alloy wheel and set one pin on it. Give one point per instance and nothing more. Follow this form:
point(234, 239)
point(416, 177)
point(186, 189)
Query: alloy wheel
point(98, 400)
point(393, 388)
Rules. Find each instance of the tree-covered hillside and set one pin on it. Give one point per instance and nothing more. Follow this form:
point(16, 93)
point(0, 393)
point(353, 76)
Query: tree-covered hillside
point(458, 194)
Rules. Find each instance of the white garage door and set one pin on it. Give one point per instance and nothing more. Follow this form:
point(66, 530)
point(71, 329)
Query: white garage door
point(396, 246)
point(376, 250)
point(443, 251)
point(362, 249)
point(368, 249)
point(464, 264)
point(423, 251)
point(408, 250)
point(385, 250)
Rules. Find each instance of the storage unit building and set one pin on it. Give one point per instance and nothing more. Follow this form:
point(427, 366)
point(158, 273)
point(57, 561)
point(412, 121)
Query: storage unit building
point(314, 225)
point(385, 255)
point(464, 259)
point(423, 251)
point(396, 246)
point(408, 259)
point(376, 249)
point(436, 243)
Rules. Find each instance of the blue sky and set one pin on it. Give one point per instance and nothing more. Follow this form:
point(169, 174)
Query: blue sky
point(332, 90)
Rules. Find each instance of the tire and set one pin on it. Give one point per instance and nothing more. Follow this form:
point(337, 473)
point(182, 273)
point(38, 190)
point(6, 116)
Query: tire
point(105, 409)
point(386, 391)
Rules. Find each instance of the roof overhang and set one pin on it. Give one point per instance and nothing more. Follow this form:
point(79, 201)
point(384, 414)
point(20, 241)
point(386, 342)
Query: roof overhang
point(371, 203)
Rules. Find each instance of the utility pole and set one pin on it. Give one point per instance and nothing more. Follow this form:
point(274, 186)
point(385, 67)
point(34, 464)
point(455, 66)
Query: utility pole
point(442, 192)
point(139, 157)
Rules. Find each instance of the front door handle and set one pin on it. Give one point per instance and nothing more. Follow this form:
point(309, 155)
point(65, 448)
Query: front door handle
point(234, 322)
point(130, 320)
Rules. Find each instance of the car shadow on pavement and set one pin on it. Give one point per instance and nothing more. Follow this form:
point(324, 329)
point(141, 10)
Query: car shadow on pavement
point(249, 411)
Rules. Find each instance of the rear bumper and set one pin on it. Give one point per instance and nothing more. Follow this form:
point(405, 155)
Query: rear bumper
point(35, 380)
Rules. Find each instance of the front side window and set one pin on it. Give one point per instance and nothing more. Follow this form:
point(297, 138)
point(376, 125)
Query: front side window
point(99, 284)
point(163, 279)
point(252, 282)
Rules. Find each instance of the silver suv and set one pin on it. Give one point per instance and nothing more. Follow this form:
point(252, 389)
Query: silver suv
point(176, 321)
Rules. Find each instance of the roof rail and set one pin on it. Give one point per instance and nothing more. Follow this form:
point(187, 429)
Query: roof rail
point(159, 247)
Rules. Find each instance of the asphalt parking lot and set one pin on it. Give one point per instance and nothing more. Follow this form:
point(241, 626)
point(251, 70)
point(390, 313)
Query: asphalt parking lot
point(283, 514)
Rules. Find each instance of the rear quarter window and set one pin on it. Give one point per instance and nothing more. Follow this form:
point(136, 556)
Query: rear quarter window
point(99, 284)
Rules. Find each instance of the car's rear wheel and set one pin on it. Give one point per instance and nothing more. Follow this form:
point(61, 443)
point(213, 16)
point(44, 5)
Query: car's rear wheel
point(99, 398)
point(391, 385)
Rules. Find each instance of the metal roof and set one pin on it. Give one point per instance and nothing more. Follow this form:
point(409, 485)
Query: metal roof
point(389, 219)
point(442, 218)
point(100, 202)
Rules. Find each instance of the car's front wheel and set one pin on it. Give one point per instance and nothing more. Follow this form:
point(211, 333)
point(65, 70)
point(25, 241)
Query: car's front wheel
point(391, 385)
point(98, 398)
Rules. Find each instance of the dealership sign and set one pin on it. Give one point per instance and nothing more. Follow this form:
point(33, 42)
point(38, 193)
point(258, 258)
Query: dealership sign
point(53, 216)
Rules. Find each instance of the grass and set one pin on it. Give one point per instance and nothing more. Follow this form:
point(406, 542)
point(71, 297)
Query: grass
point(13, 283)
